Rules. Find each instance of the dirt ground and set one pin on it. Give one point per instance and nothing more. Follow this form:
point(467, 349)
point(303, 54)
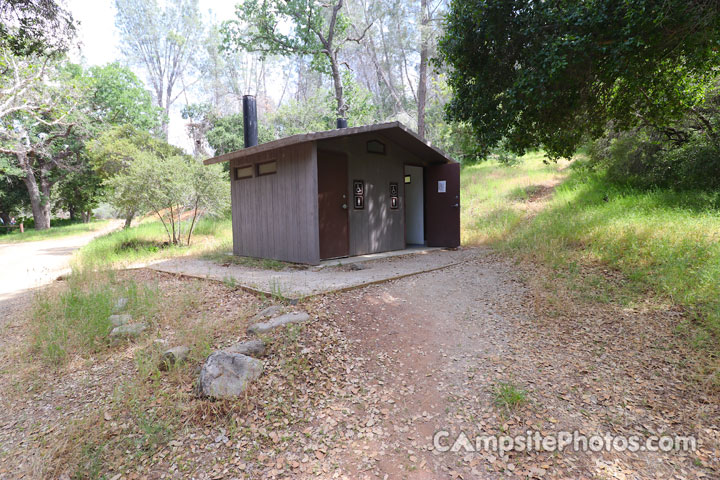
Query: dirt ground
point(361, 391)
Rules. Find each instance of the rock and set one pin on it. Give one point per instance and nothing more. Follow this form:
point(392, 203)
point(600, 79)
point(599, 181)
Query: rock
point(293, 317)
point(357, 266)
point(227, 375)
point(118, 320)
point(128, 330)
point(173, 356)
point(120, 304)
point(269, 312)
point(252, 348)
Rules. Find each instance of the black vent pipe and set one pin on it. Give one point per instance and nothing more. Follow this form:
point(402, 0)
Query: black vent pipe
point(250, 125)
point(342, 123)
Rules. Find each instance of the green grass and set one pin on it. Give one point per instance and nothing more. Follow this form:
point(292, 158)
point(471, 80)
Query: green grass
point(666, 240)
point(59, 228)
point(662, 241)
point(509, 396)
point(148, 241)
point(491, 192)
point(76, 321)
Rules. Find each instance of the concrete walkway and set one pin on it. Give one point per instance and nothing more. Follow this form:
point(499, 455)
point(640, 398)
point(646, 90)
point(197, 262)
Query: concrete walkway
point(295, 283)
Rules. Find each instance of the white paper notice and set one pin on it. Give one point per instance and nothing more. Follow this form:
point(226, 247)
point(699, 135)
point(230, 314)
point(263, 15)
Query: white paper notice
point(442, 186)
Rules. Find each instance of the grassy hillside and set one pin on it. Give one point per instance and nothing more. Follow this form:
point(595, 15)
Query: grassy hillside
point(148, 241)
point(663, 241)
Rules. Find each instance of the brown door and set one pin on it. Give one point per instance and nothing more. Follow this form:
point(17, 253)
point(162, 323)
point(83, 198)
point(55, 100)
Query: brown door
point(442, 205)
point(333, 205)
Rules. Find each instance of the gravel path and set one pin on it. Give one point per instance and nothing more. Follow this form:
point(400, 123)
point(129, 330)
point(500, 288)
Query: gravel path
point(32, 264)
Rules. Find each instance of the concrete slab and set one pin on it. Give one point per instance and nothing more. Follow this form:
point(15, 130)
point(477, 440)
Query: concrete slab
point(375, 256)
point(296, 283)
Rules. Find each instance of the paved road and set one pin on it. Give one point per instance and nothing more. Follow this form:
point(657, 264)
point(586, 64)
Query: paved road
point(29, 265)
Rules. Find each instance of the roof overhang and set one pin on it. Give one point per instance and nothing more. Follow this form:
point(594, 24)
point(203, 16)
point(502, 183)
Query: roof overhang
point(395, 131)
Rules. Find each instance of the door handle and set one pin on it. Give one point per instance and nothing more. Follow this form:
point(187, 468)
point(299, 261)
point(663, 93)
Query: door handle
point(344, 206)
point(456, 205)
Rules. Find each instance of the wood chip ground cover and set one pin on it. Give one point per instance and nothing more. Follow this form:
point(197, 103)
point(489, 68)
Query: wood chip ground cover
point(360, 391)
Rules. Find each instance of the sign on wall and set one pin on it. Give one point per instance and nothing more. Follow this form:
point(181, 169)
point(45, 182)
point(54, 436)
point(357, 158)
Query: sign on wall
point(358, 194)
point(394, 196)
point(442, 186)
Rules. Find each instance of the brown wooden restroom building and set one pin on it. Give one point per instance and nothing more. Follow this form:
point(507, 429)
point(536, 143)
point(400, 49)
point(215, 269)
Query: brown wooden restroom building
point(344, 192)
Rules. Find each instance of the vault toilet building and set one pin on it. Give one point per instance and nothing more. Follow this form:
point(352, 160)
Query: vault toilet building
point(338, 193)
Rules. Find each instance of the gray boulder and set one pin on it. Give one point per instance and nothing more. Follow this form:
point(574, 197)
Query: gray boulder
point(294, 317)
point(252, 348)
point(117, 320)
point(173, 356)
point(227, 375)
point(128, 330)
point(269, 312)
point(120, 304)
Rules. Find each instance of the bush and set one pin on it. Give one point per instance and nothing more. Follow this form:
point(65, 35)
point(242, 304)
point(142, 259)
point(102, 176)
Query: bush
point(176, 189)
point(643, 160)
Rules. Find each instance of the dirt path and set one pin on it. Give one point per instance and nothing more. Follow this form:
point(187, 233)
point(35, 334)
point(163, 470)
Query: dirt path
point(32, 264)
point(361, 391)
point(433, 349)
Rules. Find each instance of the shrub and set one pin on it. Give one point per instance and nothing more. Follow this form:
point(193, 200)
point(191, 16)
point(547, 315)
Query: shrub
point(643, 160)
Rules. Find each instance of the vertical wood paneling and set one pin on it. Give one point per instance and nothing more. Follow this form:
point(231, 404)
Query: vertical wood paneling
point(274, 216)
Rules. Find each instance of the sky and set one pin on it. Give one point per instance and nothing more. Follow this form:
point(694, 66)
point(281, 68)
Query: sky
point(100, 44)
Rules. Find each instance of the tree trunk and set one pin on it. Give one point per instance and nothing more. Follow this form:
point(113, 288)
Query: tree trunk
point(337, 83)
point(71, 211)
point(128, 219)
point(40, 206)
point(86, 216)
point(422, 80)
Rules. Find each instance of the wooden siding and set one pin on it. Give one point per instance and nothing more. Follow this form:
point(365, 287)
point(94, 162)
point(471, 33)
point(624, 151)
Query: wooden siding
point(276, 216)
point(376, 228)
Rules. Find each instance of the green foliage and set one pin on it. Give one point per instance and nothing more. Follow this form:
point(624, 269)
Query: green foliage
point(546, 74)
point(455, 138)
point(148, 241)
point(76, 322)
point(318, 30)
point(226, 133)
point(118, 97)
point(313, 115)
point(257, 28)
point(115, 149)
point(29, 27)
point(177, 189)
point(684, 155)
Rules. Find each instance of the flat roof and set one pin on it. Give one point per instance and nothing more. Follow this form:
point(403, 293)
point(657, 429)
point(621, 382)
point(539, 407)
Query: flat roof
point(395, 131)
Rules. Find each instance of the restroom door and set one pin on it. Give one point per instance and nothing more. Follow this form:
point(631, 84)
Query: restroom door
point(414, 206)
point(442, 205)
point(333, 205)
